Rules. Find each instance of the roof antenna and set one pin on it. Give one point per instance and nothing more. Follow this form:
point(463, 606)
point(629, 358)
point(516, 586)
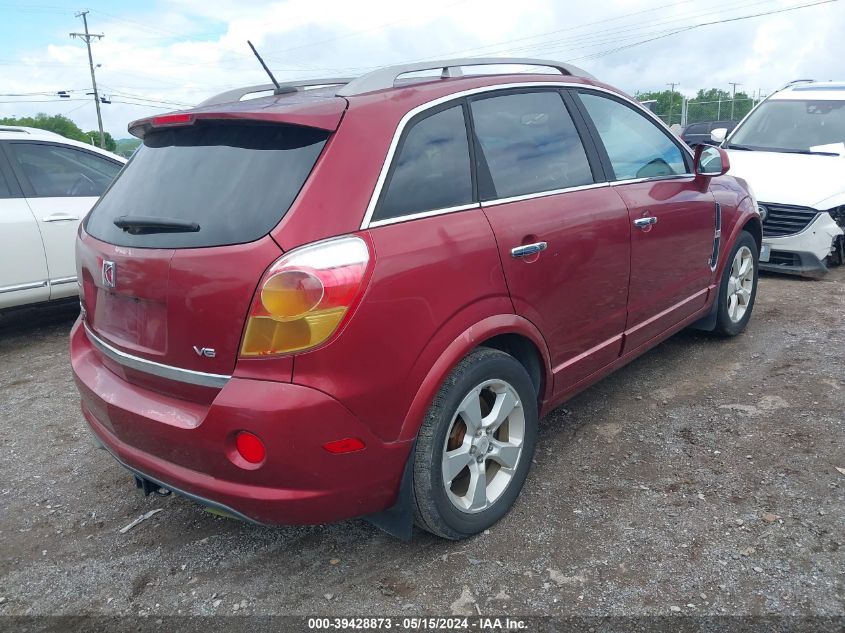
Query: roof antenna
point(279, 90)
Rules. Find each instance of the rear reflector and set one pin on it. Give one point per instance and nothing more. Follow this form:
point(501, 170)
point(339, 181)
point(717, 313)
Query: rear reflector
point(346, 445)
point(250, 447)
point(173, 119)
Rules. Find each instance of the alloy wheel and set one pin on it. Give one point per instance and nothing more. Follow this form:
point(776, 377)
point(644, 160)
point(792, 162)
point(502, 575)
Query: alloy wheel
point(483, 446)
point(740, 284)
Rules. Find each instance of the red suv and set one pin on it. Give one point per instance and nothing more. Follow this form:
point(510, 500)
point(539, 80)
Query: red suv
point(355, 298)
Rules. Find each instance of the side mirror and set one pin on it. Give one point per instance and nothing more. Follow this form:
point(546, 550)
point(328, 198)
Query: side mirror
point(719, 134)
point(711, 161)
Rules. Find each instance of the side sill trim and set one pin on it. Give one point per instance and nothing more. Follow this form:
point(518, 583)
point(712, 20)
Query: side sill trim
point(63, 280)
point(156, 369)
point(30, 286)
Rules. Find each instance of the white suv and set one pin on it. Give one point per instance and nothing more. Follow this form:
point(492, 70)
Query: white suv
point(791, 149)
point(47, 185)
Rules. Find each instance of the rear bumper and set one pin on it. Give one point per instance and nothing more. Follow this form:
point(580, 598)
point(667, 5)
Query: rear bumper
point(188, 447)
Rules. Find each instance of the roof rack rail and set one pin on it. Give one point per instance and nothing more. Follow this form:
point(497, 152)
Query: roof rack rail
point(384, 78)
point(795, 81)
point(285, 87)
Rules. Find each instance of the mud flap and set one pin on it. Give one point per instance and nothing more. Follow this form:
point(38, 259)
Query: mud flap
point(398, 520)
point(708, 321)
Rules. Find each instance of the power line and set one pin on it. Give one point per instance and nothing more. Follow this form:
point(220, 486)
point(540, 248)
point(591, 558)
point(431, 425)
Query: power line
point(605, 36)
point(697, 26)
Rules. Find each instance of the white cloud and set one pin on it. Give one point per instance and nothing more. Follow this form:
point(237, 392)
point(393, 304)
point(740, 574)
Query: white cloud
point(184, 50)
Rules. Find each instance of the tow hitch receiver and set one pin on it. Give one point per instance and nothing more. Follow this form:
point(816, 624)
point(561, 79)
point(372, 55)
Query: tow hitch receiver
point(150, 487)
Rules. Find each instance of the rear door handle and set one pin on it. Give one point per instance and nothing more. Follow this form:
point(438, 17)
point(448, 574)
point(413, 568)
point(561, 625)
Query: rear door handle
point(642, 223)
point(60, 217)
point(528, 249)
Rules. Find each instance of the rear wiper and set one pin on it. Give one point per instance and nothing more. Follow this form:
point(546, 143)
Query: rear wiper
point(142, 224)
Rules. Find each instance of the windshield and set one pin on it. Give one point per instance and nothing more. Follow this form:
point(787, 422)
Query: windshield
point(229, 183)
point(794, 125)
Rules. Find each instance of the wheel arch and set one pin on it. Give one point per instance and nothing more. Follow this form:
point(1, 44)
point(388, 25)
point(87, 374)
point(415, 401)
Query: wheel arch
point(754, 226)
point(510, 333)
point(747, 220)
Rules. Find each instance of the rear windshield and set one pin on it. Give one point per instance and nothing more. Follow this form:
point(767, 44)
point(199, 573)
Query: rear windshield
point(235, 181)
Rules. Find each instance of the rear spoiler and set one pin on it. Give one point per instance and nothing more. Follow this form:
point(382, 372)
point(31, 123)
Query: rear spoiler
point(324, 114)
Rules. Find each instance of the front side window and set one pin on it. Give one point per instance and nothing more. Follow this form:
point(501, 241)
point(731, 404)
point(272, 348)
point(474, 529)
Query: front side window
point(794, 126)
point(59, 171)
point(431, 169)
point(636, 146)
point(530, 144)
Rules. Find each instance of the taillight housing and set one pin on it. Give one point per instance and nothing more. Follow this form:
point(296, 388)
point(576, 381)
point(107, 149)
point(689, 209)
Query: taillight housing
point(304, 296)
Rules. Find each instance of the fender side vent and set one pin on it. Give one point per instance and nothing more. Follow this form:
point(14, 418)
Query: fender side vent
point(717, 238)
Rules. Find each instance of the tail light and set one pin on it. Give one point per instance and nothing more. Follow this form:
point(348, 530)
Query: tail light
point(304, 296)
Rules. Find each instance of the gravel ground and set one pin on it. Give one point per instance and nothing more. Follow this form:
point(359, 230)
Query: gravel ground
point(700, 479)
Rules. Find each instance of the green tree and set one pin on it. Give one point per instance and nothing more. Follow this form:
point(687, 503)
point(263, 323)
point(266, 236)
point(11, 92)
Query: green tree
point(93, 137)
point(57, 123)
point(667, 100)
point(713, 104)
point(60, 124)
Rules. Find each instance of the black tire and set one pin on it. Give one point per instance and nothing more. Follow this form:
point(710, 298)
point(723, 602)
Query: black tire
point(433, 509)
point(725, 325)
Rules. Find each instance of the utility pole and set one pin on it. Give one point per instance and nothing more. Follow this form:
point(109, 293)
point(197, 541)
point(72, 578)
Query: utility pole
point(87, 37)
point(671, 99)
point(733, 84)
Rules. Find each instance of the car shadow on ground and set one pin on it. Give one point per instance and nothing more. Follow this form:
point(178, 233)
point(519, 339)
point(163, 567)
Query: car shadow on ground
point(35, 318)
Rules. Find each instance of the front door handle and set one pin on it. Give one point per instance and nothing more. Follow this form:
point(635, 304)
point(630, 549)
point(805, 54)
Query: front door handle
point(60, 217)
point(643, 223)
point(528, 249)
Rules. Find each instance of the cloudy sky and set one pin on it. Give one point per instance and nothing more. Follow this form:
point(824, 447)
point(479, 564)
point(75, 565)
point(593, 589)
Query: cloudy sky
point(161, 55)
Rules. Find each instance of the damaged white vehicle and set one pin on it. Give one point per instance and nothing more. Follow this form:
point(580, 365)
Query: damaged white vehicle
point(791, 149)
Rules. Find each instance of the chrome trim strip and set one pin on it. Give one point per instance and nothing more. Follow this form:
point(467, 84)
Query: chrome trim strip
point(63, 280)
point(156, 369)
point(424, 214)
point(632, 181)
point(400, 128)
point(29, 286)
point(543, 194)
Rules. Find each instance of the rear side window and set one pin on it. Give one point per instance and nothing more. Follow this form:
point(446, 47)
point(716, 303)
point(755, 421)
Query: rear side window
point(5, 191)
point(58, 171)
point(236, 181)
point(636, 146)
point(530, 144)
point(432, 168)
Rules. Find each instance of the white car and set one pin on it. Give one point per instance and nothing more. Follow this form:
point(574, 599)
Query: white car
point(47, 185)
point(791, 150)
